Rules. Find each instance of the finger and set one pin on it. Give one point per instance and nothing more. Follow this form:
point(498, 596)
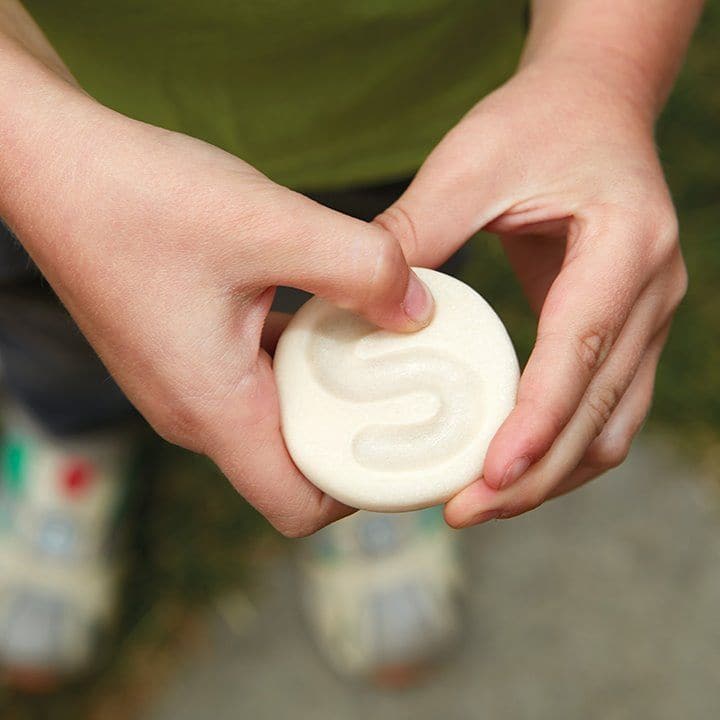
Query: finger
point(449, 200)
point(567, 451)
point(585, 310)
point(589, 422)
point(248, 448)
point(536, 260)
point(354, 264)
point(611, 447)
point(273, 328)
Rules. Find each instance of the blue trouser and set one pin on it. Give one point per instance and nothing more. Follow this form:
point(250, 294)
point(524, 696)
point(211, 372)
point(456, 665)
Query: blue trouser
point(47, 366)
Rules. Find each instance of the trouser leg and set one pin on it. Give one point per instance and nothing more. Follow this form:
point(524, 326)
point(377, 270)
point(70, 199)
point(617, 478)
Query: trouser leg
point(49, 369)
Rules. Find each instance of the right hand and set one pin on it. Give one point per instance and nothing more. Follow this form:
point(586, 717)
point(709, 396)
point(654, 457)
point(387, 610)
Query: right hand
point(166, 251)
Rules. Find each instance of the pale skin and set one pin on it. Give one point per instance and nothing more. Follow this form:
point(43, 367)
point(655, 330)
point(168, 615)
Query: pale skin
point(166, 250)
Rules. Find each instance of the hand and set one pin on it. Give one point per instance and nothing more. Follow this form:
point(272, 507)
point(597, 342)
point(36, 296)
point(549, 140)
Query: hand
point(166, 252)
point(563, 167)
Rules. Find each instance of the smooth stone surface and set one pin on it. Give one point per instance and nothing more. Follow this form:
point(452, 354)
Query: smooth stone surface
point(393, 421)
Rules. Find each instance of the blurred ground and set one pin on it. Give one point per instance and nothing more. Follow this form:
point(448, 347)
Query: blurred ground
point(604, 604)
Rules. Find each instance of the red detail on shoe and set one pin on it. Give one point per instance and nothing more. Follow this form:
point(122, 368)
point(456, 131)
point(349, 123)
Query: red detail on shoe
point(77, 478)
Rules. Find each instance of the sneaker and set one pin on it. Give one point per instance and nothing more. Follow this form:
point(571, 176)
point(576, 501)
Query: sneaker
point(381, 591)
point(59, 571)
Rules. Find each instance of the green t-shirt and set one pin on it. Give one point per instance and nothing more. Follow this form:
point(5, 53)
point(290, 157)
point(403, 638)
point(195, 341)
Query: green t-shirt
point(315, 93)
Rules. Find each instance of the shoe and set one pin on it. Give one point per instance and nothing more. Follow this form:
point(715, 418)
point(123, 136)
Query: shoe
point(60, 503)
point(381, 594)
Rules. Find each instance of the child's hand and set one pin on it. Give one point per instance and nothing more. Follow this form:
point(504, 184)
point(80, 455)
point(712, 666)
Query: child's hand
point(563, 167)
point(167, 251)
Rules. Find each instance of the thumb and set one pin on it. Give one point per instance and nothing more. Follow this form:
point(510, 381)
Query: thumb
point(353, 264)
point(443, 207)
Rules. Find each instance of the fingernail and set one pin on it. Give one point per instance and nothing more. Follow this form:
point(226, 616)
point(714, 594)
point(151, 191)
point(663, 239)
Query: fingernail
point(418, 303)
point(480, 518)
point(514, 471)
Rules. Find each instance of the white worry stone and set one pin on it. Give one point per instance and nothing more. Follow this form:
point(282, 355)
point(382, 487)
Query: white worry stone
point(393, 421)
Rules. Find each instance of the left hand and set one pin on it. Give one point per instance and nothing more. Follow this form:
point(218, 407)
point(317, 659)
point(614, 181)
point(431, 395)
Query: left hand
point(563, 166)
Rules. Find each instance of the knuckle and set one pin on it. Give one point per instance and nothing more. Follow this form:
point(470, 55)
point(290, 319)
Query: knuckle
point(592, 348)
point(609, 452)
point(383, 280)
point(662, 231)
point(398, 222)
point(600, 405)
point(668, 231)
point(680, 284)
point(588, 348)
point(674, 289)
point(300, 518)
point(529, 502)
point(295, 527)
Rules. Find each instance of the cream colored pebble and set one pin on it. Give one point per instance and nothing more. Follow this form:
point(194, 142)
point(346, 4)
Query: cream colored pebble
point(391, 421)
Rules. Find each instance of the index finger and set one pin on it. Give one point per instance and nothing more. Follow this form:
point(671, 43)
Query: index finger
point(586, 308)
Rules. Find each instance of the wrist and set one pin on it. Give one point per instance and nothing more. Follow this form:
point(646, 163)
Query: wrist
point(633, 50)
point(17, 26)
point(618, 90)
point(45, 122)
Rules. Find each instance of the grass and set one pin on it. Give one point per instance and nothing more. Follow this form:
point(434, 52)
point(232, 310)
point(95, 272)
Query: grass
point(196, 540)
